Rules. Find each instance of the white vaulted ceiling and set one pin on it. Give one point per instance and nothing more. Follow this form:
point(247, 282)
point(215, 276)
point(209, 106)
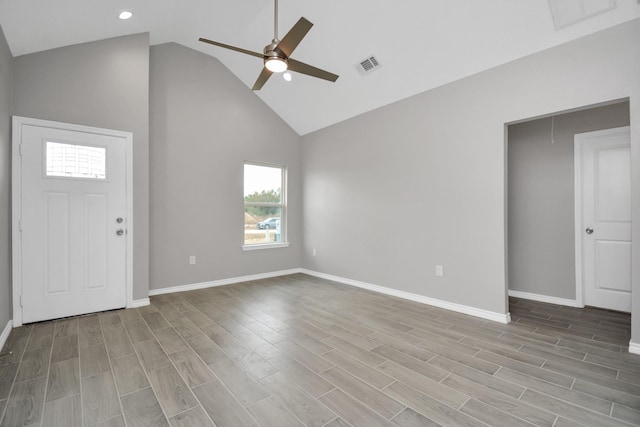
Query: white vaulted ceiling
point(421, 44)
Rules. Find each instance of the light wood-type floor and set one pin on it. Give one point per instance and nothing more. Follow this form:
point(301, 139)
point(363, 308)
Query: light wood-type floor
point(300, 351)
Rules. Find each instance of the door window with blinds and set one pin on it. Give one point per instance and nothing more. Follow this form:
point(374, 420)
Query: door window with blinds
point(75, 161)
point(265, 208)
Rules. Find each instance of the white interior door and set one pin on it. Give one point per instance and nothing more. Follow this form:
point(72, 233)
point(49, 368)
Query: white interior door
point(603, 217)
point(72, 220)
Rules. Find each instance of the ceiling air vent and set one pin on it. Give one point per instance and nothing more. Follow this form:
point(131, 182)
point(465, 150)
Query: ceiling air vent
point(367, 65)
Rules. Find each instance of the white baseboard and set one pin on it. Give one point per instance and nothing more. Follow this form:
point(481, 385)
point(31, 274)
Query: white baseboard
point(5, 334)
point(545, 298)
point(634, 347)
point(139, 303)
point(459, 308)
point(222, 282)
point(477, 312)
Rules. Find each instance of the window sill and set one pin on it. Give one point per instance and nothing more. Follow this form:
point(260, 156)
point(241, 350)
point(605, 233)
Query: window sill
point(265, 246)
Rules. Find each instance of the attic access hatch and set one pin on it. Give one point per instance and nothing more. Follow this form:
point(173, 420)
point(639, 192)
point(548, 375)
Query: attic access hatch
point(569, 12)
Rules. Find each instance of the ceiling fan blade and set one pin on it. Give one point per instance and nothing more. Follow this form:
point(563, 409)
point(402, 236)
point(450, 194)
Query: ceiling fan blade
point(301, 67)
point(291, 40)
point(262, 79)
point(237, 49)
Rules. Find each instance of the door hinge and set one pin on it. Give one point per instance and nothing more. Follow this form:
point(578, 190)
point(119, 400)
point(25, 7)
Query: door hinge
point(20, 225)
point(21, 301)
point(20, 150)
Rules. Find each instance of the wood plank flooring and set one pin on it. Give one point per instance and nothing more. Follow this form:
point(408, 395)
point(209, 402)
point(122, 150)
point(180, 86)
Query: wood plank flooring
point(301, 351)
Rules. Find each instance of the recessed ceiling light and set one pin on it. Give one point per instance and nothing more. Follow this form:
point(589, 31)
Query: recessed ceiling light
point(287, 76)
point(125, 14)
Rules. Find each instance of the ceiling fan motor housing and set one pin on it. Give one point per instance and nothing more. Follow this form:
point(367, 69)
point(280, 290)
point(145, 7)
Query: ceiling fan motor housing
point(270, 50)
point(271, 54)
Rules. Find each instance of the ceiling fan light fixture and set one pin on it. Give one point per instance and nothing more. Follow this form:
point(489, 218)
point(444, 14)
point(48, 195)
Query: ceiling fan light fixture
point(276, 54)
point(276, 64)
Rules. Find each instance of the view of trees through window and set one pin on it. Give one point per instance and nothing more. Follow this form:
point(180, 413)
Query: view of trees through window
point(264, 204)
point(271, 196)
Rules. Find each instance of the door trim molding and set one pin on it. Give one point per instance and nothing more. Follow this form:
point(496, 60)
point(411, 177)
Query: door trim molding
point(578, 140)
point(5, 334)
point(16, 208)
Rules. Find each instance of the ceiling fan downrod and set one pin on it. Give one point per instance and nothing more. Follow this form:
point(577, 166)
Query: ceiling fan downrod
point(275, 23)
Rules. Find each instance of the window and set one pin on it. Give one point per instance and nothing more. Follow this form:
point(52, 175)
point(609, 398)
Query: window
point(76, 161)
point(264, 206)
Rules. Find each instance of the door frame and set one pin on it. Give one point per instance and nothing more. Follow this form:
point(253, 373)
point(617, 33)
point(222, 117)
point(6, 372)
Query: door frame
point(16, 202)
point(578, 141)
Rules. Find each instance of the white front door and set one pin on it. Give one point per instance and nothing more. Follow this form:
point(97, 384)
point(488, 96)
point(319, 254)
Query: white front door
point(72, 219)
point(603, 218)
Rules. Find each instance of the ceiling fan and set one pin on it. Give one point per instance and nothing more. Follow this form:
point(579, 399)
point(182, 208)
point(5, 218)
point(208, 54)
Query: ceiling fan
point(277, 54)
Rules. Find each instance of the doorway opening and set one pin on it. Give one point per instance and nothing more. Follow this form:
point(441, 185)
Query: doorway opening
point(541, 224)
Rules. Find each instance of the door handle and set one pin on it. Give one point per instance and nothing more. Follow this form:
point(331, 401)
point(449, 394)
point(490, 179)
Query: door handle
point(120, 232)
point(589, 230)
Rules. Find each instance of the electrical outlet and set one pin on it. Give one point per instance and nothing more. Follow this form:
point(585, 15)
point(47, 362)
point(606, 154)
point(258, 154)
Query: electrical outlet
point(314, 252)
point(439, 270)
point(192, 259)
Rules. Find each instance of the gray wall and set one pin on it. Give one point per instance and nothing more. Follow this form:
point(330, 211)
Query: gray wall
point(6, 72)
point(541, 198)
point(392, 193)
point(204, 124)
point(388, 194)
point(103, 84)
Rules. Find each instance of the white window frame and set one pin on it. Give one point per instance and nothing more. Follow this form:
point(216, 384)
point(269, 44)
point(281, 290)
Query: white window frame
point(282, 205)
